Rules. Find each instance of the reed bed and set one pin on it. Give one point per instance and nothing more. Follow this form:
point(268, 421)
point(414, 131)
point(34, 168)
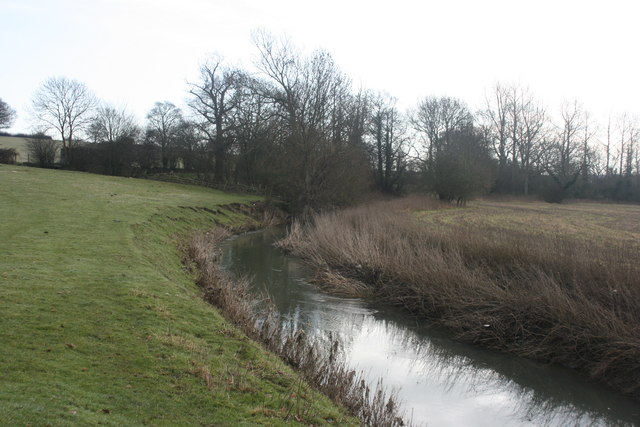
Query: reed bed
point(319, 361)
point(551, 298)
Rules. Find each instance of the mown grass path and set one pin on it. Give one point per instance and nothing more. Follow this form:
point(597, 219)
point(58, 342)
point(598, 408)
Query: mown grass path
point(100, 323)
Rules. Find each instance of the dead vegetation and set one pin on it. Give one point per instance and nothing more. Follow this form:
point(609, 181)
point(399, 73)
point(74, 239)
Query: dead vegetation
point(320, 363)
point(551, 298)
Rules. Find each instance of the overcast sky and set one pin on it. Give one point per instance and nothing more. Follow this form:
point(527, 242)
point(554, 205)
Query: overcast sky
point(135, 52)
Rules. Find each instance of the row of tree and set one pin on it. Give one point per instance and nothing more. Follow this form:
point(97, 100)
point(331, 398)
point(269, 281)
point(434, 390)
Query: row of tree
point(570, 152)
point(298, 127)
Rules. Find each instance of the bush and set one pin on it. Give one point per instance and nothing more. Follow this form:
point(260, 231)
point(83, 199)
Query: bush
point(42, 151)
point(463, 167)
point(8, 156)
point(553, 193)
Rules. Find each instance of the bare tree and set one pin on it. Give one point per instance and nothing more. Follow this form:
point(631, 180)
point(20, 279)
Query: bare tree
point(7, 115)
point(564, 155)
point(42, 150)
point(633, 134)
point(589, 131)
point(388, 134)
point(623, 129)
point(190, 146)
point(110, 124)
point(163, 122)
point(258, 132)
point(322, 139)
point(65, 106)
point(516, 124)
point(436, 118)
point(215, 98)
point(496, 117)
point(608, 148)
point(530, 142)
point(115, 131)
point(515, 102)
point(637, 166)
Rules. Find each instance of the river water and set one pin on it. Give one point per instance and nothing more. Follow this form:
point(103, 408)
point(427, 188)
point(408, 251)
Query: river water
point(440, 382)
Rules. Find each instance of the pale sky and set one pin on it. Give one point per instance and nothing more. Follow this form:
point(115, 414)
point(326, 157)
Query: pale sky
point(133, 53)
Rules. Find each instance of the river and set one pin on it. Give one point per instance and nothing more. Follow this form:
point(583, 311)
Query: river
point(440, 382)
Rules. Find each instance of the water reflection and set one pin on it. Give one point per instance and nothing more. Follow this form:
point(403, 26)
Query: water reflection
point(440, 382)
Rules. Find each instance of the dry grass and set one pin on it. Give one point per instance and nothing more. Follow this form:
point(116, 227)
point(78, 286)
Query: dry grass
point(593, 223)
point(556, 298)
point(320, 363)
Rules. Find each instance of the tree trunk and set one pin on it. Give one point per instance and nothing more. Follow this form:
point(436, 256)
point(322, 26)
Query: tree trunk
point(218, 173)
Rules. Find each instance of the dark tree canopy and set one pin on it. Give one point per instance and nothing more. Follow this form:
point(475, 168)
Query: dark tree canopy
point(464, 167)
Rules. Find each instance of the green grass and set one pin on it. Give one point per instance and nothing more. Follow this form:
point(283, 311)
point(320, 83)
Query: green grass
point(100, 323)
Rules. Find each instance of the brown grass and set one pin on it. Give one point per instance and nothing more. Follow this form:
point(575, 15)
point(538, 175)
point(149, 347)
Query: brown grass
point(553, 298)
point(319, 362)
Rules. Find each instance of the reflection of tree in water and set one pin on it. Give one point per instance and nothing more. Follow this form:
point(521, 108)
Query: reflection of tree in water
point(534, 394)
point(537, 394)
point(544, 395)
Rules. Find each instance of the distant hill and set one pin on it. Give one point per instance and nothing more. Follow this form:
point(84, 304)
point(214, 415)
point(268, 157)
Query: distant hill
point(19, 143)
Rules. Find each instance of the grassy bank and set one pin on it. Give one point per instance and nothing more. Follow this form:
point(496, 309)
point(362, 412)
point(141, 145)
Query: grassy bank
point(101, 324)
point(553, 283)
point(320, 362)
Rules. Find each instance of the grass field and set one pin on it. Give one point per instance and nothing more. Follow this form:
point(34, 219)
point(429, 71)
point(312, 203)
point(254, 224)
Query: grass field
point(100, 323)
point(595, 223)
point(556, 283)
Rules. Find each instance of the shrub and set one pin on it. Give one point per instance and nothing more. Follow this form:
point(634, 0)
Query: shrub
point(8, 156)
point(42, 151)
point(553, 193)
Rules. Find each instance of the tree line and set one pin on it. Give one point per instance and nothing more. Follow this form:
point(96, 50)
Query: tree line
point(299, 128)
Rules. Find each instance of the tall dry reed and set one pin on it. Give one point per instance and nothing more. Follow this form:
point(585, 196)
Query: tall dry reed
point(554, 299)
point(319, 362)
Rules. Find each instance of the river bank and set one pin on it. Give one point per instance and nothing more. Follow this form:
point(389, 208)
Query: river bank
point(551, 298)
point(318, 361)
point(439, 381)
point(102, 324)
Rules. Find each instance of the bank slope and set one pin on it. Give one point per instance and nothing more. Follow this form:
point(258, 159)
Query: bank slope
point(101, 324)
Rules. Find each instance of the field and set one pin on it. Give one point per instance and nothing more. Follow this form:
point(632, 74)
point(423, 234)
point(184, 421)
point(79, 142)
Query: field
point(19, 144)
point(593, 223)
point(555, 283)
point(102, 324)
